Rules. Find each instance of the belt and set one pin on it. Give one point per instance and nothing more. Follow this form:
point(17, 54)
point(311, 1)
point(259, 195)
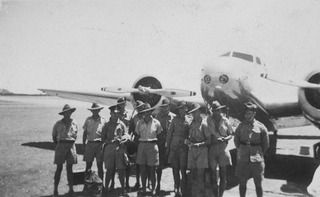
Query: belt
point(200, 146)
point(250, 144)
point(66, 141)
point(151, 141)
point(94, 141)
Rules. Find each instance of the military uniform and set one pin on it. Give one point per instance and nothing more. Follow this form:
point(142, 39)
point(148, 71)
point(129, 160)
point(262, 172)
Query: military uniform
point(218, 155)
point(165, 120)
point(198, 155)
point(148, 151)
point(93, 128)
point(65, 135)
point(114, 154)
point(178, 151)
point(251, 140)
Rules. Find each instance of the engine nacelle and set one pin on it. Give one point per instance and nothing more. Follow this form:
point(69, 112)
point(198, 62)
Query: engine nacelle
point(309, 99)
point(153, 83)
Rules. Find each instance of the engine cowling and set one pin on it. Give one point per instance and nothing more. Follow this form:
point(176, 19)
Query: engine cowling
point(153, 83)
point(309, 99)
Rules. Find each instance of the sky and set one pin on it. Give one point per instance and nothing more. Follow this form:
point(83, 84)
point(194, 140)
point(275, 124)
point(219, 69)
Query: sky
point(85, 45)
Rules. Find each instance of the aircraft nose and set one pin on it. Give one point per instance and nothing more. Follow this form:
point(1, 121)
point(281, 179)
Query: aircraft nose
point(217, 78)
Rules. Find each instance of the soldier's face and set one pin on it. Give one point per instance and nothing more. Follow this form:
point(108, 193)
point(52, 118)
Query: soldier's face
point(164, 109)
point(67, 114)
point(95, 112)
point(249, 115)
point(182, 111)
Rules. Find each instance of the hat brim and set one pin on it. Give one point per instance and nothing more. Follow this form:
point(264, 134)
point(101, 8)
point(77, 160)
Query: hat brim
point(122, 102)
point(194, 109)
point(164, 105)
point(71, 109)
point(96, 108)
point(146, 110)
point(220, 107)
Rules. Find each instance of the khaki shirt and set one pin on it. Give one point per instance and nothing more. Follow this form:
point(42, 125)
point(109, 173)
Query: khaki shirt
point(223, 129)
point(65, 131)
point(113, 130)
point(148, 131)
point(93, 128)
point(177, 133)
point(252, 141)
point(199, 131)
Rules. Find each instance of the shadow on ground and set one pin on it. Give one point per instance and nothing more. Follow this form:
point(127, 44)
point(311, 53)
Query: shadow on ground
point(51, 146)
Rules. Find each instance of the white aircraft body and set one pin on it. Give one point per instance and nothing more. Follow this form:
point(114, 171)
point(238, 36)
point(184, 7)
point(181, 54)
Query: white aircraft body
point(233, 79)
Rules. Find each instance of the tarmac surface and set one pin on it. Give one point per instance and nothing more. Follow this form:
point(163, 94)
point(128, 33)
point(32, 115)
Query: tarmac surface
point(26, 149)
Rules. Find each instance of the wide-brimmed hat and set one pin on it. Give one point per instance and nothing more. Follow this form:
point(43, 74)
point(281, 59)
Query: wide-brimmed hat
point(195, 107)
point(250, 106)
point(165, 102)
point(215, 105)
point(121, 100)
point(95, 106)
point(114, 108)
point(140, 105)
point(181, 104)
point(147, 108)
point(67, 108)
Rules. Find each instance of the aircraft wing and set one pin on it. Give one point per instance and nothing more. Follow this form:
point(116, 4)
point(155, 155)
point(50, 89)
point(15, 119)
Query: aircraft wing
point(295, 82)
point(100, 97)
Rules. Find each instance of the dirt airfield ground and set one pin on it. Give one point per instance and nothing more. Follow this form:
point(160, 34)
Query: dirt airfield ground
point(26, 165)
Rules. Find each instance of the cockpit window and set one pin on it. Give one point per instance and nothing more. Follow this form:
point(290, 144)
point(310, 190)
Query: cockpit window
point(258, 60)
point(243, 56)
point(226, 54)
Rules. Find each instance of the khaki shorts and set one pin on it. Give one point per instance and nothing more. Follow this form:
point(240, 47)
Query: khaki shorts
point(65, 151)
point(148, 154)
point(178, 157)
point(93, 150)
point(198, 157)
point(250, 170)
point(114, 157)
point(218, 155)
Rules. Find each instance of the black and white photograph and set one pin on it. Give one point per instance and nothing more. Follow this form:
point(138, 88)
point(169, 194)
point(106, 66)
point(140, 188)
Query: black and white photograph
point(161, 98)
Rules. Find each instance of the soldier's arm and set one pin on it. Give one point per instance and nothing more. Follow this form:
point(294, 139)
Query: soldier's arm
point(207, 134)
point(169, 134)
point(54, 134)
point(265, 139)
point(236, 138)
point(85, 132)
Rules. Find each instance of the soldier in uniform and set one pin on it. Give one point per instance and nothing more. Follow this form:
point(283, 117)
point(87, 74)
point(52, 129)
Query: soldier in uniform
point(92, 142)
point(252, 141)
point(221, 131)
point(64, 135)
point(198, 141)
point(114, 136)
point(124, 117)
point(148, 128)
point(132, 125)
point(164, 118)
point(177, 150)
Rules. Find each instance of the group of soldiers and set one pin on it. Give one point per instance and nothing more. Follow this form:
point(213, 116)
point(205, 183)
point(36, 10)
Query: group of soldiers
point(155, 138)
